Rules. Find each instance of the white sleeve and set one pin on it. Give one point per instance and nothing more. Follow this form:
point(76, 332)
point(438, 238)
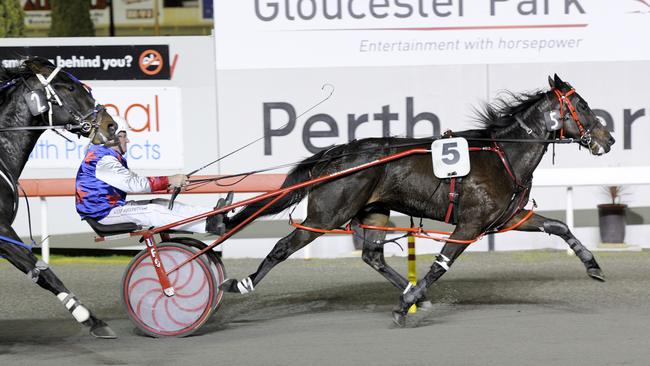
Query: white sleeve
point(111, 171)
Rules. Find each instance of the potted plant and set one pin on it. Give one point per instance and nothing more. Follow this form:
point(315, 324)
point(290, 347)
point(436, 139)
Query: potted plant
point(611, 217)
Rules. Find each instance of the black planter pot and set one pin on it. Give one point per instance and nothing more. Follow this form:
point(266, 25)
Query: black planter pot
point(611, 219)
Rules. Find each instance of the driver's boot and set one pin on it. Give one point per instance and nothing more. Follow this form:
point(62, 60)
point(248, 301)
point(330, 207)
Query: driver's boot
point(214, 224)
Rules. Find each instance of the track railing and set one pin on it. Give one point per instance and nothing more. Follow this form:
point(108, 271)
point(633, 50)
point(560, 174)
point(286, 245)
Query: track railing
point(65, 187)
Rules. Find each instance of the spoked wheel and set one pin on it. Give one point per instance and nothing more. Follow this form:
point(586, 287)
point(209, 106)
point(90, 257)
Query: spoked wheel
point(180, 315)
point(217, 267)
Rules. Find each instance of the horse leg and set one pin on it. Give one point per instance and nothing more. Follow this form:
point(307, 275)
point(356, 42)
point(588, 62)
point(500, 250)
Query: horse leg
point(40, 273)
point(373, 243)
point(282, 250)
point(448, 254)
point(373, 249)
point(329, 206)
point(559, 228)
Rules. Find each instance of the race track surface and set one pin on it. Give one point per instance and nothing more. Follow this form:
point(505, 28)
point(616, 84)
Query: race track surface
point(518, 308)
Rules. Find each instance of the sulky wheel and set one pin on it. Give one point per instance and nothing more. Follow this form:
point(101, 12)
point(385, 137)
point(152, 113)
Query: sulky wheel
point(177, 316)
point(217, 267)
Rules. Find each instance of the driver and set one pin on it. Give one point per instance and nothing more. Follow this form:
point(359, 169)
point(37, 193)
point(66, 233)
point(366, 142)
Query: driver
point(104, 179)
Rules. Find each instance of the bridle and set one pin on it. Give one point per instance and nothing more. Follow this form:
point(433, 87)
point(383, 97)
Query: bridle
point(85, 122)
point(563, 99)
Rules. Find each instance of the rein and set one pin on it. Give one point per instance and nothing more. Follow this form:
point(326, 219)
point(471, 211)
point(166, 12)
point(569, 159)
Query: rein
point(244, 175)
point(68, 127)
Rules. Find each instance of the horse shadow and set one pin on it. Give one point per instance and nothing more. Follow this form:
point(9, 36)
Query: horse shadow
point(449, 298)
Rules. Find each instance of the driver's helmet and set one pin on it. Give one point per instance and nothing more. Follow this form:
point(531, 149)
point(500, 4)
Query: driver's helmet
point(109, 138)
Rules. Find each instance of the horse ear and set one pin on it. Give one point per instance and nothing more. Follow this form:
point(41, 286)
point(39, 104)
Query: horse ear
point(551, 82)
point(558, 81)
point(37, 66)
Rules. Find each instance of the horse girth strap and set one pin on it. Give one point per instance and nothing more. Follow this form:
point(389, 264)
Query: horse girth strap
point(454, 183)
point(519, 201)
point(453, 207)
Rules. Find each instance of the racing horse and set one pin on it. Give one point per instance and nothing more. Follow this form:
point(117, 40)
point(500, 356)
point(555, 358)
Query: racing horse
point(36, 96)
point(515, 136)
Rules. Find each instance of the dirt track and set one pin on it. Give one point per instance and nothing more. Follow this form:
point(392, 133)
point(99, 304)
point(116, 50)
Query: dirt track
point(522, 308)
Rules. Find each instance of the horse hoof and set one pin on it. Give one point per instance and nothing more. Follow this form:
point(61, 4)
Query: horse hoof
point(244, 286)
point(597, 274)
point(399, 319)
point(102, 331)
point(229, 286)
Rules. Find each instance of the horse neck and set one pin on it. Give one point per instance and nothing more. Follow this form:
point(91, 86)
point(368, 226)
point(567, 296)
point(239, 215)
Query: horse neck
point(524, 157)
point(15, 147)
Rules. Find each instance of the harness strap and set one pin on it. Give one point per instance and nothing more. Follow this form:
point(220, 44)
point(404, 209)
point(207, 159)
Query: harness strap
point(8, 177)
point(516, 204)
point(9, 83)
point(564, 99)
point(16, 242)
point(9, 181)
point(504, 159)
point(522, 124)
point(453, 200)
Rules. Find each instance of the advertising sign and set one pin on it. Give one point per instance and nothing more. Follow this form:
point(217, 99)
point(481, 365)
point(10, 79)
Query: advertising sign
point(418, 101)
point(154, 116)
point(334, 33)
point(141, 62)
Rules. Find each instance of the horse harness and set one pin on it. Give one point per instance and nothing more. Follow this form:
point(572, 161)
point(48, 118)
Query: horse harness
point(518, 199)
point(85, 122)
point(518, 196)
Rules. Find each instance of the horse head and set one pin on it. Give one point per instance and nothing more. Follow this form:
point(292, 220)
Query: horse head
point(578, 121)
point(58, 98)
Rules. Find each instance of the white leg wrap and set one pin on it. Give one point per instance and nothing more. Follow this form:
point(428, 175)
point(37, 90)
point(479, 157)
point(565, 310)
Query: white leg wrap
point(245, 286)
point(443, 262)
point(78, 311)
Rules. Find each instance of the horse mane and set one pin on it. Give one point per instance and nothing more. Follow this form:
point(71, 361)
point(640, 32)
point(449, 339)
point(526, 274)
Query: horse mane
point(501, 113)
point(25, 68)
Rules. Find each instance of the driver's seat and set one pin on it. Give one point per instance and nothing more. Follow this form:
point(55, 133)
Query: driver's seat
point(114, 229)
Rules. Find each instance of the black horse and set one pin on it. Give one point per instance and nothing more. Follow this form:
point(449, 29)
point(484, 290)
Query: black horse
point(515, 137)
point(34, 97)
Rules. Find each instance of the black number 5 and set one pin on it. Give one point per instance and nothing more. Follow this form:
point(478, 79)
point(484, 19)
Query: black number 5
point(449, 149)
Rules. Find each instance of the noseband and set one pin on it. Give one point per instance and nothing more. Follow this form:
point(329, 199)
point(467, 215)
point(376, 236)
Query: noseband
point(563, 99)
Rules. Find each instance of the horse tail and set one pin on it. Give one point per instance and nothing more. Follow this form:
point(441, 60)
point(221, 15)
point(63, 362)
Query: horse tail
point(298, 174)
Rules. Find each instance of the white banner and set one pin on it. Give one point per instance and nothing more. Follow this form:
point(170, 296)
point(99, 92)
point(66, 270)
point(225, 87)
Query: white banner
point(415, 101)
point(333, 33)
point(156, 134)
